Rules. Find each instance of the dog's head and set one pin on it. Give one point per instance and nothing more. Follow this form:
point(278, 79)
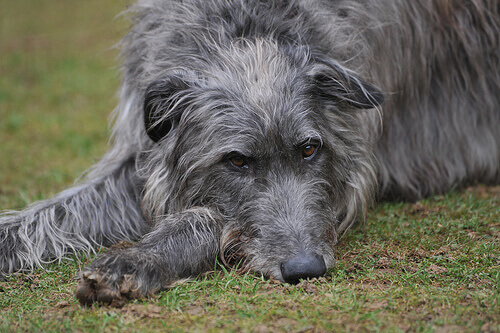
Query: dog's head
point(269, 136)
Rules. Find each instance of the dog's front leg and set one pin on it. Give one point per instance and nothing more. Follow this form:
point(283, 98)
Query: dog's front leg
point(181, 246)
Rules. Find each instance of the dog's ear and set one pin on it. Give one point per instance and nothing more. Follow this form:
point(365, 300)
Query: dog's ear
point(164, 102)
point(334, 81)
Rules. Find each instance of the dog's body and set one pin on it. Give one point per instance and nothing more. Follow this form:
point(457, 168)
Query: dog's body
point(247, 131)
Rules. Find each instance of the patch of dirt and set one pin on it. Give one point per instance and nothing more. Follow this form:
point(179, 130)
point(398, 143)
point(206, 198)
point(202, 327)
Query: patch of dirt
point(377, 305)
point(485, 192)
point(308, 286)
point(494, 231)
point(60, 310)
point(134, 312)
point(410, 268)
point(448, 329)
point(63, 304)
point(291, 304)
point(195, 310)
point(472, 234)
point(442, 250)
point(419, 209)
point(121, 245)
point(274, 286)
point(282, 324)
point(383, 262)
point(285, 322)
point(489, 327)
point(261, 328)
point(435, 269)
point(419, 253)
point(356, 266)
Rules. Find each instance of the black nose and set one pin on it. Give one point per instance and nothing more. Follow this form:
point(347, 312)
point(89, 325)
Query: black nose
point(303, 266)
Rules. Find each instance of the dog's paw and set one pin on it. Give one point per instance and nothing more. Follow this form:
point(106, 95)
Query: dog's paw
point(116, 278)
point(95, 286)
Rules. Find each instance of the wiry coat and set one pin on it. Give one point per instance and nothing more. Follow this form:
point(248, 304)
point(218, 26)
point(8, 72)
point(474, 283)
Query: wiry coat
point(205, 81)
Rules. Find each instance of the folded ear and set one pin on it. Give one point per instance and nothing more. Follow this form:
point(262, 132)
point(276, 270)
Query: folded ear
point(164, 102)
point(334, 81)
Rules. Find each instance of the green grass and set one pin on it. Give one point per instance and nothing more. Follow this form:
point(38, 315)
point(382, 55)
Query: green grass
point(429, 266)
point(58, 79)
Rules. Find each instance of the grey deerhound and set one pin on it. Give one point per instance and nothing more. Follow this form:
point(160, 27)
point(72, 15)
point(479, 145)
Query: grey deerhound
point(254, 132)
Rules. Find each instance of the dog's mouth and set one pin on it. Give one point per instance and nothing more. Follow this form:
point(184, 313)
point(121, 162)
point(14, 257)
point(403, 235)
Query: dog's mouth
point(301, 266)
point(232, 252)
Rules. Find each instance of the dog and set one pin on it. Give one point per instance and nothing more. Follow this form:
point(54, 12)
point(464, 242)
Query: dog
point(256, 132)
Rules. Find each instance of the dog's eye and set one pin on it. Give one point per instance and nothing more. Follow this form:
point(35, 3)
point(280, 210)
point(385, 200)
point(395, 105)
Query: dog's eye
point(309, 150)
point(239, 161)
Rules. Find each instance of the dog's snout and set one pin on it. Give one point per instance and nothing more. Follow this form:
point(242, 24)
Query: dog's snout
point(303, 266)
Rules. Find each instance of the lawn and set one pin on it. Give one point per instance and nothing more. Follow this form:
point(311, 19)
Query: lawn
point(433, 265)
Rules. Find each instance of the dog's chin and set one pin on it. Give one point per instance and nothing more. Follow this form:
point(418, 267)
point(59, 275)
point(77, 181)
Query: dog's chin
point(330, 261)
point(275, 274)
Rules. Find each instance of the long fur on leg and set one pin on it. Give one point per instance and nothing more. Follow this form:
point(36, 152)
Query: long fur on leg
point(99, 212)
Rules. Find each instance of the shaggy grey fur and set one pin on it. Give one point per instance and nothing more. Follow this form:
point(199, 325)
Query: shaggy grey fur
point(247, 131)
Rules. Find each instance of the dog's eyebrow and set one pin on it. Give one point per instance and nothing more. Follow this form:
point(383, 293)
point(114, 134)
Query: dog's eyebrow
point(311, 138)
point(227, 149)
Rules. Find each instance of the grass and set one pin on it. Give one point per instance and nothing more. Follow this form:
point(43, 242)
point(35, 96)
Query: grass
point(428, 266)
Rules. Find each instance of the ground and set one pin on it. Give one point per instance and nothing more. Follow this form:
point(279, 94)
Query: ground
point(429, 266)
